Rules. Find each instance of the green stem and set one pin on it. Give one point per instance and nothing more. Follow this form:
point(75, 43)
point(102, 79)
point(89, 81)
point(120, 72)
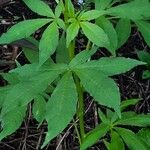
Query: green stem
point(71, 50)
point(80, 112)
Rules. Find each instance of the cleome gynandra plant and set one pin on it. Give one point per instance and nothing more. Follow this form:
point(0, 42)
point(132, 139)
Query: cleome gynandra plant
point(120, 135)
point(55, 85)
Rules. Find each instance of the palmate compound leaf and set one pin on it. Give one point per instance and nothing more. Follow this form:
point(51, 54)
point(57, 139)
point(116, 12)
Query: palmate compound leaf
point(131, 139)
point(134, 10)
point(11, 121)
point(39, 7)
point(32, 83)
point(93, 136)
point(95, 34)
point(94, 78)
point(61, 107)
point(48, 42)
point(102, 88)
point(22, 30)
point(110, 65)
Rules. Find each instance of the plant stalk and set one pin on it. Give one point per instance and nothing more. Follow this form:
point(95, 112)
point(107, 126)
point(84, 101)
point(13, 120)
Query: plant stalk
point(80, 111)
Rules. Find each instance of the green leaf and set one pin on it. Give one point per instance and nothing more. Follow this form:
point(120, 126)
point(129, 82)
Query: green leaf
point(146, 74)
point(103, 117)
point(11, 121)
point(31, 52)
point(22, 30)
point(144, 56)
point(123, 29)
point(31, 70)
point(3, 93)
point(48, 42)
point(59, 9)
point(61, 24)
point(131, 139)
point(39, 7)
point(27, 71)
point(112, 116)
point(82, 57)
point(61, 107)
point(62, 55)
point(72, 32)
point(116, 142)
point(144, 135)
point(127, 103)
point(93, 136)
point(102, 4)
point(29, 42)
point(143, 27)
point(107, 144)
point(33, 82)
point(91, 15)
point(134, 10)
point(70, 8)
point(99, 86)
point(11, 78)
point(107, 26)
point(39, 108)
point(31, 55)
point(110, 65)
point(128, 114)
point(134, 120)
point(33, 41)
point(95, 34)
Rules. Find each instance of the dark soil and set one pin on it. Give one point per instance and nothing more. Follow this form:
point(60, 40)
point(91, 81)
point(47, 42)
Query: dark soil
point(29, 137)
